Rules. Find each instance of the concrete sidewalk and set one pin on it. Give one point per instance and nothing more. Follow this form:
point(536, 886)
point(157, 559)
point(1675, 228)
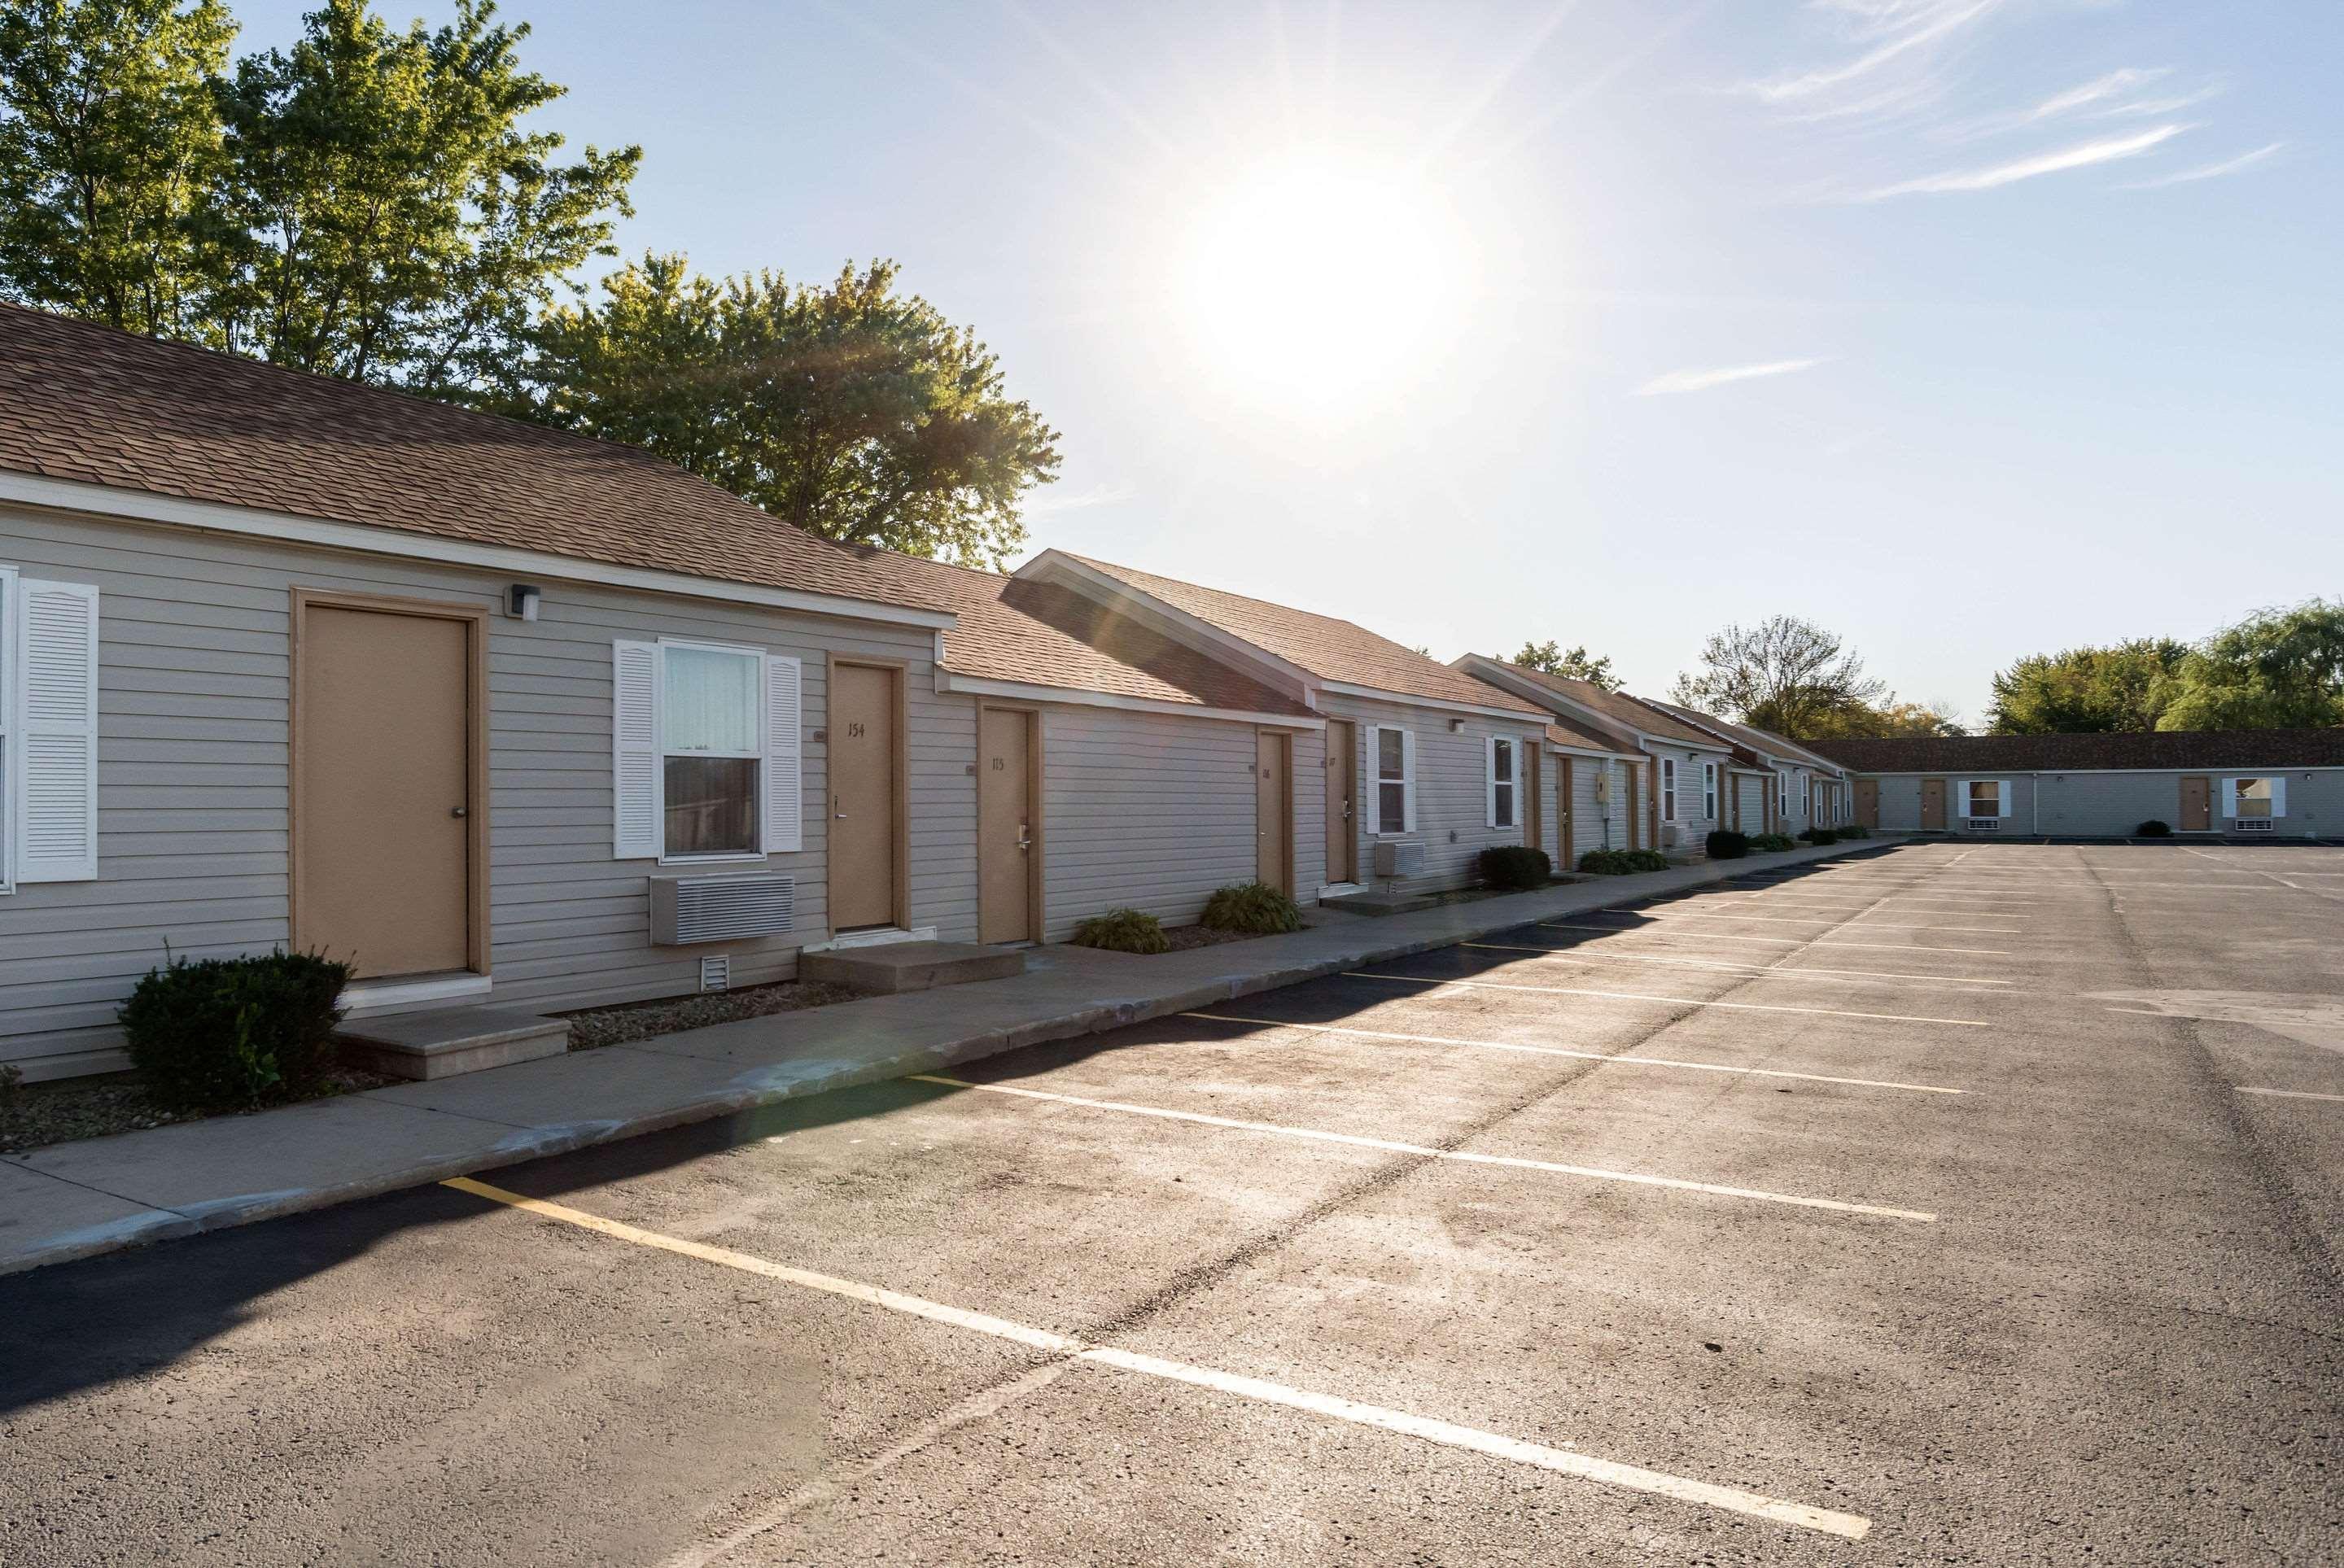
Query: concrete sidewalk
point(78, 1200)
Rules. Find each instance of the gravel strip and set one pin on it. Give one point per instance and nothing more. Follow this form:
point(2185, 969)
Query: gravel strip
point(40, 1114)
point(642, 1019)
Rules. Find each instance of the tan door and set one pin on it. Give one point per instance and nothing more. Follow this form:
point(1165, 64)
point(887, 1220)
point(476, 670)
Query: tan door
point(863, 778)
point(1005, 812)
point(1933, 804)
point(1563, 796)
point(1273, 809)
point(382, 852)
point(1867, 802)
point(1342, 801)
point(2196, 803)
point(1534, 780)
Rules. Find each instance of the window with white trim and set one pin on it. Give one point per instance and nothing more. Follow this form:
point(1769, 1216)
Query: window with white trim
point(1667, 788)
point(48, 731)
point(1709, 791)
point(1393, 752)
point(1783, 793)
point(2254, 799)
point(706, 754)
point(1499, 767)
point(1983, 797)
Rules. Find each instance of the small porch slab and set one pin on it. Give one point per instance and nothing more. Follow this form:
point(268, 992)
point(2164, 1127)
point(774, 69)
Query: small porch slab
point(898, 967)
point(447, 1040)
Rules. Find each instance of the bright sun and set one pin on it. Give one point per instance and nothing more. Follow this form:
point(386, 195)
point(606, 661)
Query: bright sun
point(1313, 281)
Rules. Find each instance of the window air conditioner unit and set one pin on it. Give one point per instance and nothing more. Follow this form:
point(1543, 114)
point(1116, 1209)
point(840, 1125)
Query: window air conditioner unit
point(2253, 824)
point(1400, 860)
point(1985, 824)
point(687, 910)
point(1671, 836)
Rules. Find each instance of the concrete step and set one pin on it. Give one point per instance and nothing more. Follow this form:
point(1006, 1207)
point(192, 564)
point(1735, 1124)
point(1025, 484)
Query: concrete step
point(895, 966)
point(447, 1040)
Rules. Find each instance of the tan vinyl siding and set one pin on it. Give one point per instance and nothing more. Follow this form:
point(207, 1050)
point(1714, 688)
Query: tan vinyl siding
point(1154, 811)
point(193, 693)
point(1451, 796)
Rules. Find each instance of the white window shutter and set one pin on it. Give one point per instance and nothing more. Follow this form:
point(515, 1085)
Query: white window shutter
point(784, 765)
point(2228, 805)
point(2002, 801)
point(1489, 780)
point(635, 750)
point(57, 671)
point(1408, 774)
point(2278, 797)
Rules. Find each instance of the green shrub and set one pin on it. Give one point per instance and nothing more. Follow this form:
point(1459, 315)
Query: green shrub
point(1727, 845)
point(1771, 843)
point(2153, 829)
point(1623, 862)
point(1820, 836)
point(1516, 866)
point(1123, 932)
point(1853, 830)
point(222, 1034)
point(1255, 908)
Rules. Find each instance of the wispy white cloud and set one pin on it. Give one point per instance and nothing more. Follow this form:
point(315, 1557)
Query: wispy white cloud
point(2099, 90)
point(2208, 171)
point(2108, 149)
point(1903, 27)
point(1049, 501)
point(1703, 380)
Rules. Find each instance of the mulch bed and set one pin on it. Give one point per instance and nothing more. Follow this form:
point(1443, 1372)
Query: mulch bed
point(1184, 938)
point(35, 1115)
point(600, 1026)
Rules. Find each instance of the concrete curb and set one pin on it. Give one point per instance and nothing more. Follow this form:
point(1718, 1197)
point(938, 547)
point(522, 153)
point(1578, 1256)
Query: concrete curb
point(514, 1143)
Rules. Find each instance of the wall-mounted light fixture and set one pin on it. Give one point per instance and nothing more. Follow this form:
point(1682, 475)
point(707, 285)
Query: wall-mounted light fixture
point(521, 601)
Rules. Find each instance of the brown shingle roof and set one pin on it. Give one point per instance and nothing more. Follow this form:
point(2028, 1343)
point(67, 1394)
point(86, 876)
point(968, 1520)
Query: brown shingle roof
point(1617, 707)
point(88, 403)
point(1043, 633)
point(2178, 749)
point(1329, 648)
point(1747, 736)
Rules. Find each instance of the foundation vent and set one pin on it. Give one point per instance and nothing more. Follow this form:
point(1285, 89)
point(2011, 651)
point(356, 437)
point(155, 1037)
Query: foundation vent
point(686, 910)
point(716, 973)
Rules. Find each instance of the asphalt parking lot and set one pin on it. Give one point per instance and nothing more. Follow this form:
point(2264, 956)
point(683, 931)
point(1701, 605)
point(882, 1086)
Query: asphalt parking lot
point(1973, 1204)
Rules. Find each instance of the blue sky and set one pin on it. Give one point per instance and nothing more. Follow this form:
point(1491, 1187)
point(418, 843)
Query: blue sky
point(1423, 315)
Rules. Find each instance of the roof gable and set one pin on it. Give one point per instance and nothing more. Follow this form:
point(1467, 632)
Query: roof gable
point(1616, 709)
point(1330, 649)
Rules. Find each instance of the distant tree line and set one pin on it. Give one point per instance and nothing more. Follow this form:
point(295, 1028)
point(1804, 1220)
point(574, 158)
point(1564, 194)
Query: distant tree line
point(2279, 668)
point(368, 204)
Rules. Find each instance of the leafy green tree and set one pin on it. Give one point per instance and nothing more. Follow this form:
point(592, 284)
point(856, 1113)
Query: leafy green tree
point(1575, 665)
point(2086, 691)
point(851, 410)
point(382, 215)
point(1869, 720)
point(108, 148)
point(1784, 675)
point(2277, 670)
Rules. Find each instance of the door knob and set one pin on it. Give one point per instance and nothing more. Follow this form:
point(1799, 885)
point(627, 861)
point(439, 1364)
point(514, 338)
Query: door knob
point(461, 811)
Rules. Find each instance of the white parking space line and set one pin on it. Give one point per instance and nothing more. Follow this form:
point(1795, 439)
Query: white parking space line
point(1826, 920)
point(1676, 1001)
point(1775, 941)
point(2291, 1093)
point(1578, 1055)
point(1461, 1156)
point(1562, 1462)
point(1775, 970)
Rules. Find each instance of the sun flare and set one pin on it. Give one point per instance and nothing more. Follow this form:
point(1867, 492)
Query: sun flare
point(1314, 280)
